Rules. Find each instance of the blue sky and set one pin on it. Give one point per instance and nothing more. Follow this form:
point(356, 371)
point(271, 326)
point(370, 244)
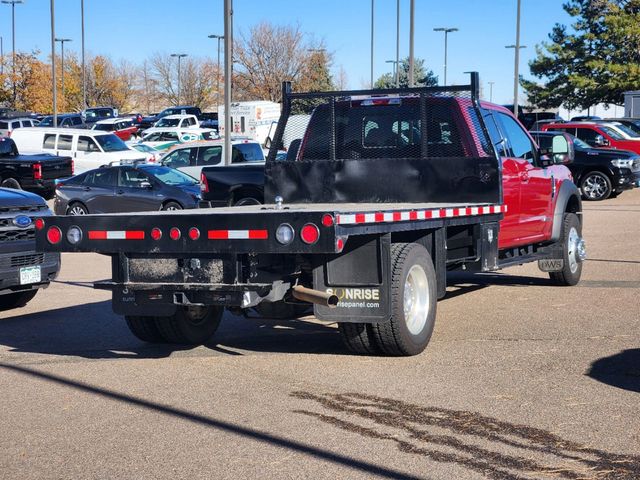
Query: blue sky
point(136, 29)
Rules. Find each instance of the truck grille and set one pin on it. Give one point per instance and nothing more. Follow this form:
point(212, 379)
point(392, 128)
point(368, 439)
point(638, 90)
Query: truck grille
point(22, 210)
point(17, 235)
point(635, 166)
point(22, 260)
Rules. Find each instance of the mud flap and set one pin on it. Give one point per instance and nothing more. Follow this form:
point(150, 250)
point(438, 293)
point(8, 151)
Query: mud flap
point(359, 277)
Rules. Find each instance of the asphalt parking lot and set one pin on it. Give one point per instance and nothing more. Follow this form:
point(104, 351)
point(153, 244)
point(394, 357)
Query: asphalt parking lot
point(521, 380)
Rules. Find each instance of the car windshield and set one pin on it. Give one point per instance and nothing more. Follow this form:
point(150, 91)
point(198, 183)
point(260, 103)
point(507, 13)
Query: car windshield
point(168, 122)
point(170, 176)
point(111, 143)
point(107, 127)
point(625, 129)
point(612, 132)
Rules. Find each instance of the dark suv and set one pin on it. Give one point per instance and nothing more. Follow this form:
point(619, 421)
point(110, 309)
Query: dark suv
point(65, 120)
point(22, 270)
point(600, 173)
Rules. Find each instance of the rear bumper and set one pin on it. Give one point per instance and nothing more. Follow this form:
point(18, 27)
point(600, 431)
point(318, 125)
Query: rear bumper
point(11, 263)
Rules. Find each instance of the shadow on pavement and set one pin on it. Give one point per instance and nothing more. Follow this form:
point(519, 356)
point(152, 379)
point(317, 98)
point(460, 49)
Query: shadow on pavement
point(93, 331)
point(621, 370)
point(485, 445)
point(241, 431)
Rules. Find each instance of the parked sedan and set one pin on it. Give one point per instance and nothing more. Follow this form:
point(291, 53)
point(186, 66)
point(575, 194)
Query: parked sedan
point(123, 128)
point(126, 188)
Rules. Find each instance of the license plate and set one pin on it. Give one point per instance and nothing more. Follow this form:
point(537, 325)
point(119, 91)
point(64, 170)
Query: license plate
point(551, 265)
point(30, 275)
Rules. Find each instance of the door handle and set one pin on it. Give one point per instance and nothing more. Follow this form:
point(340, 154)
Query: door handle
point(120, 192)
point(87, 189)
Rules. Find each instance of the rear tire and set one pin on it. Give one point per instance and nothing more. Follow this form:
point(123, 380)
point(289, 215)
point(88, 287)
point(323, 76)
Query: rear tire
point(144, 328)
point(11, 183)
point(572, 268)
point(190, 325)
point(359, 338)
point(76, 209)
point(171, 206)
point(15, 300)
point(413, 302)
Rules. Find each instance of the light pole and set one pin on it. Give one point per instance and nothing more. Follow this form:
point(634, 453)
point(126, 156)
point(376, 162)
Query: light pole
point(515, 75)
point(517, 48)
point(84, 77)
point(491, 91)
point(54, 89)
point(446, 31)
point(62, 41)
point(372, 30)
point(13, 4)
point(219, 38)
point(228, 77)
point(412, 14)
point(395, 71)
point(1, 57)
point(398, 44)
point(179, 56)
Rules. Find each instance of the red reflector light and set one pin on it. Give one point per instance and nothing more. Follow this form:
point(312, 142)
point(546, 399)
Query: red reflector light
point(37, 171)
point(310, 233)
point(54, 235)
point(156, 233)
point(73, 166)
point(194, 233)
point(175, 233)
point(339, 244)
point(327, 220)
point(39, 223)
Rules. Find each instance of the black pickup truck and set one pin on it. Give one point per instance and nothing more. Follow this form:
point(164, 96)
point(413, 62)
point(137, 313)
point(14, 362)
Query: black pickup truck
point(232, 185)
point(34, 173)
point(23, 271)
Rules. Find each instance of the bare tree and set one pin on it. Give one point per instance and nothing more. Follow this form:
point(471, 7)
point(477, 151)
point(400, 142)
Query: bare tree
point(271, 54)
point(342, 80)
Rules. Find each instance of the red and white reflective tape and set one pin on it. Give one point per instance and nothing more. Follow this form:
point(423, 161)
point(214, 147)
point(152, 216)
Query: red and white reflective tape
point(115, 235)
point(412, 215)
point(237, 234)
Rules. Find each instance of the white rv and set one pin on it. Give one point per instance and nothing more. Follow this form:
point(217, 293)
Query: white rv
point(251, 120)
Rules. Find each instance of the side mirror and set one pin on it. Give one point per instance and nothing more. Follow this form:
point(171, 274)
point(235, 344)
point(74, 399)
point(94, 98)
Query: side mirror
point(600, 141)
point(145, 185)
point(562, 150)
point(267, 143)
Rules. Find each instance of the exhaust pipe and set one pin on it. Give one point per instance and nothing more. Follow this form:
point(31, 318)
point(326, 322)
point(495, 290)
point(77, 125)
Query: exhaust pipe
point(314, 296)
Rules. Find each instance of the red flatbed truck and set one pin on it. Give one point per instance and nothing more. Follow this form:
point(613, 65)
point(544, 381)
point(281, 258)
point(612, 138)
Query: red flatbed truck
point(380, 196)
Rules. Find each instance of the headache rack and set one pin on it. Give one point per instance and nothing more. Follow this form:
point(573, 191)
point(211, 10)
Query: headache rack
point(409, 145)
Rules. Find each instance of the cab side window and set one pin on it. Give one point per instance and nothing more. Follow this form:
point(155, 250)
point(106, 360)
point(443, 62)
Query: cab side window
point(49, 141)
point(210, 155)
point(518, 141)
point(496, 137)
point(105, 177)
point(179, 158)
point(86, 144)
point(587, 135)
point(64, 142)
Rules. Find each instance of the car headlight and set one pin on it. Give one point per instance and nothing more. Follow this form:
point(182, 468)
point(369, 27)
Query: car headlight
point(623, 163)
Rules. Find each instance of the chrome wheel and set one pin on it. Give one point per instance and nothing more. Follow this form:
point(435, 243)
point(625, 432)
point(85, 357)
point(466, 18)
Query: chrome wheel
point(416, 299)
point(575, 249)
point(171, 208)
point(595, 186)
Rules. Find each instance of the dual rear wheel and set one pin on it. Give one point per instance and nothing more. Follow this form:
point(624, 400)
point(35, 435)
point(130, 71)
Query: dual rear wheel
point(192, 325)
point(413, 308)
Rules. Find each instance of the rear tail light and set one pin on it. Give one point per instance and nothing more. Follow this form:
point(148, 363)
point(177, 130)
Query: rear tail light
point(339, 244)
point(309, 234)
point(204, 185)
point(39, 223)
point(54, 235)
point(194, 233)
point(175, 233)
point(37, 171)
point(156, 233)
point(327, 220)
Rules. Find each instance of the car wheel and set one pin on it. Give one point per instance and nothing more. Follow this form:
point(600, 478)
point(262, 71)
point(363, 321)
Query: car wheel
point(11, 183)
point(170, 206)
point(76, 209)
point(247, 201)
point(15, 300)
point(595, 186)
